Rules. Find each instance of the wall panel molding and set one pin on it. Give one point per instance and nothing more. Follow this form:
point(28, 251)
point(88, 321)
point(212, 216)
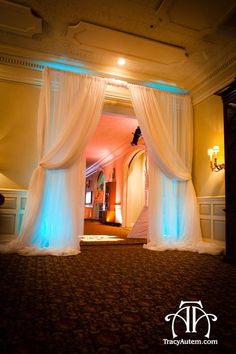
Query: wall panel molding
point(11, 213)
point(211, 209)
point(212, 217)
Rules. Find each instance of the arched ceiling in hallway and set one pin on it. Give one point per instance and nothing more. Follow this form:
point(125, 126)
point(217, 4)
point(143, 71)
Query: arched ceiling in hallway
point(111, 139)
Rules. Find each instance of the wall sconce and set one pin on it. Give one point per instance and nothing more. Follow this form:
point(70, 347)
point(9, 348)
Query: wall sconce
point(212, 153)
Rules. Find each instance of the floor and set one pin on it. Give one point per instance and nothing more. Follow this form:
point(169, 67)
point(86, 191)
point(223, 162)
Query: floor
point(107, 234)
point(113, 300)
point(94, 227)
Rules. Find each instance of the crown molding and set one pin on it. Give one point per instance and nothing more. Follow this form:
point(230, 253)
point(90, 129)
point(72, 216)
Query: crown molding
point(219, 77)
point(24, 66)
point(27, 69)
point(20, 74)
point(33, 60)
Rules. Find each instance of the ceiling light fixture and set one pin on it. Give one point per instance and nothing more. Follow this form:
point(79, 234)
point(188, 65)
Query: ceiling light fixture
point(121, 61)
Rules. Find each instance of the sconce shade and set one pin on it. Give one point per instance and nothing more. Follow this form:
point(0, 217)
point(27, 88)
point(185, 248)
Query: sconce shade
point(216, 148)
point(215, 167)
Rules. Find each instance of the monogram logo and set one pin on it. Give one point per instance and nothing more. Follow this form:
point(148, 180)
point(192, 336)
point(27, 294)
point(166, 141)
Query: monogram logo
point(191, 312)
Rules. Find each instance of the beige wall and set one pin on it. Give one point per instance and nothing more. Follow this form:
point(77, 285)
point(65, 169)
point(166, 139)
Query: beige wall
point(208, 131)
point(18, 112)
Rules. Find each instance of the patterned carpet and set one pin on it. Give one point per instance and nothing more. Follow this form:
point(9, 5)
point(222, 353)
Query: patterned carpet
point(111, 300)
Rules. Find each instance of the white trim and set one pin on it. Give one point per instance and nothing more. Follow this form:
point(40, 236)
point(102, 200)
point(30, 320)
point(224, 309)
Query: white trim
point(15, 61)
point(37, 61)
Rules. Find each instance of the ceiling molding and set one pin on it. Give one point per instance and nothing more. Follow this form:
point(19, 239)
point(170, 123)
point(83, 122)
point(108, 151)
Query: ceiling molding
point(19, 19)
point(190, 17)
point(20, 62)
point(20, 74)
point(218, 78)
point(21, 70)
point(87, 35)
point(38, 63)
point(225, 65)
point(18, 68)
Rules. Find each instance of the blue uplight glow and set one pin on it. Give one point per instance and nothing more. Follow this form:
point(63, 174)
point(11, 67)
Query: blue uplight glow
point(65, 67)
point(165, 87)
point(79, 68)
point(54, 228)
point(171, 216)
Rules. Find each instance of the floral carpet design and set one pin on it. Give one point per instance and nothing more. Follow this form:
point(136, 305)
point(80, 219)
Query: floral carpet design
point(112, 299)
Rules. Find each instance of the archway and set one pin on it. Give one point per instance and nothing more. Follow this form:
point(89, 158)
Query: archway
point(62, 160)
point(134, 187)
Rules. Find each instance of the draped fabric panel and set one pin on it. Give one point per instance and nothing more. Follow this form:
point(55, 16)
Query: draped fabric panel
point(165, 120)
point(69, 110)
point(157, 124)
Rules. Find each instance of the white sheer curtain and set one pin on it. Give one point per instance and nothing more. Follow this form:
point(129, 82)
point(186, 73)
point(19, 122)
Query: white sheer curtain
point(69, 109)
point(165, 120)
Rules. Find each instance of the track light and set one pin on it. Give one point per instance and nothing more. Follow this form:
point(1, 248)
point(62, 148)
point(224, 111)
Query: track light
point(137, 135)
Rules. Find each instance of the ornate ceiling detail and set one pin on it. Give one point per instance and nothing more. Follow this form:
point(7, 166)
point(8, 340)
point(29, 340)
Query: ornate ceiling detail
point(191, 45)
point(20, 62)
point(87, 35)
point(18, 19)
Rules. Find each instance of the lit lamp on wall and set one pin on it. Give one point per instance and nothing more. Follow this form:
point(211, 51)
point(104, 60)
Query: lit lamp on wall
point(212, 153)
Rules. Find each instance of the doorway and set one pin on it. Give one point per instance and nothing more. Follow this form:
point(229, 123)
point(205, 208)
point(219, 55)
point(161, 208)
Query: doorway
point(106, 154)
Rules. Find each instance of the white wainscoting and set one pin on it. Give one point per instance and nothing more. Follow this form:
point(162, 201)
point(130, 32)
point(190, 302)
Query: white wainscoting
point(212, 218)
point(11, 212)
point(212, 215)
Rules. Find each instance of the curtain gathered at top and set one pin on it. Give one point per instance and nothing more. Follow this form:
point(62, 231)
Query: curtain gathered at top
point(70, 107)
point(165, 120)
